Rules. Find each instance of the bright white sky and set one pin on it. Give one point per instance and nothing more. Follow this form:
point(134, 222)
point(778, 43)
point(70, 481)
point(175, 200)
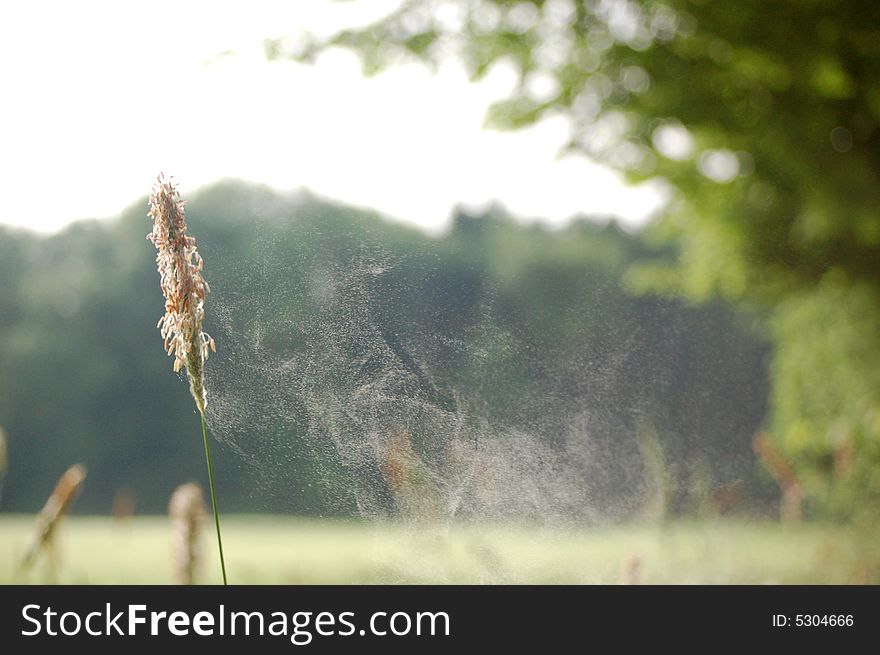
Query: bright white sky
point(98, 97)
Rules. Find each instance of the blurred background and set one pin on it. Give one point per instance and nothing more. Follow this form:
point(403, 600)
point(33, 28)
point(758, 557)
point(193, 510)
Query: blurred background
point(562, 268)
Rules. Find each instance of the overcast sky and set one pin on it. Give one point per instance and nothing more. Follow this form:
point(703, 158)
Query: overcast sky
point(98, 97)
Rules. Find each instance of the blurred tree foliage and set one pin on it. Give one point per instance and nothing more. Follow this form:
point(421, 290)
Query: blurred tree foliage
point(83, 376)
point(763, 116)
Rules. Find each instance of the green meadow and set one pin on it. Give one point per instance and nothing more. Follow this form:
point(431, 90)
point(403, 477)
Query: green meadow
point(285, 550)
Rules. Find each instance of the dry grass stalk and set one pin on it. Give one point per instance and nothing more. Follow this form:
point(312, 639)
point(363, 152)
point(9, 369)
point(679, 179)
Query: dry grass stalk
point(124, 503)
point(631, 570)
point(790, 510)
point(180, 267)
point(66, 490)
point(727, 497)
point(413, 485)
point(3, 461)
point(188, 514)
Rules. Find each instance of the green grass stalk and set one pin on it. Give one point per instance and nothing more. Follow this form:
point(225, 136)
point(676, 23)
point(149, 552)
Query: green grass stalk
point(213, 495)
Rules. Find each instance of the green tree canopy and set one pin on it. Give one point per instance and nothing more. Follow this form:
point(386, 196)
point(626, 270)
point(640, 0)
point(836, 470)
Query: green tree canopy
point(763, 115)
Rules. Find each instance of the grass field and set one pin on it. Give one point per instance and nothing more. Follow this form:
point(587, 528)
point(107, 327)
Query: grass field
point(284, 550)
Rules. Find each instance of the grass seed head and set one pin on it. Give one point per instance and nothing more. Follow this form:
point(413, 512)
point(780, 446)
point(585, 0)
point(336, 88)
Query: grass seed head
point(180, 277)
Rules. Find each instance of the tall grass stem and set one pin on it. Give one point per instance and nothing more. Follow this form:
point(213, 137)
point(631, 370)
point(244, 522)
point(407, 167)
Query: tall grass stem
point(213, 495)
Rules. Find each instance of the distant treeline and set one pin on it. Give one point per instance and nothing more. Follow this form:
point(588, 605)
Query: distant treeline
point(522, 328)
